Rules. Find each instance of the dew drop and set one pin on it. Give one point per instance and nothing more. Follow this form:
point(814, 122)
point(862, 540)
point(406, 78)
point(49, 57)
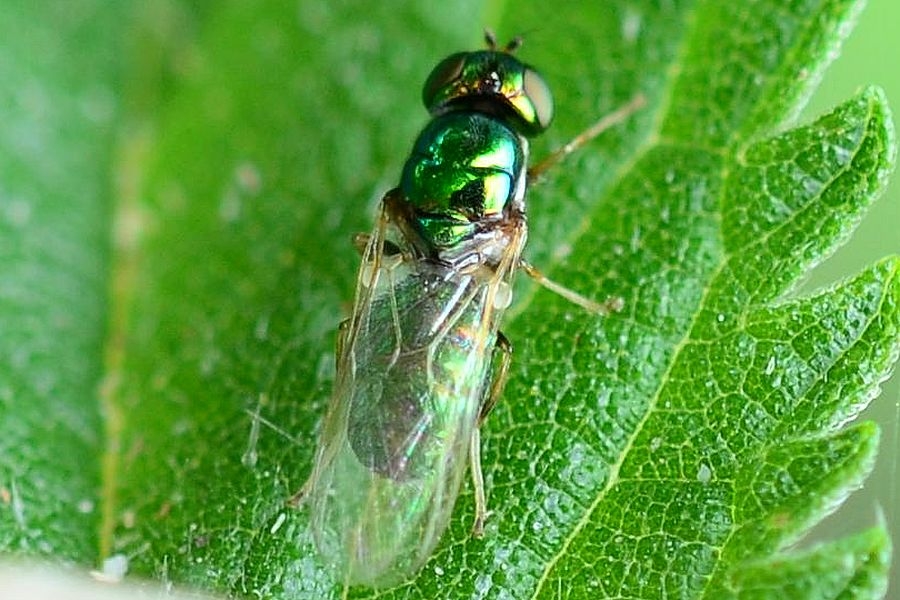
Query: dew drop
point(812, 186)
point(704, 474)
point(248, 178)
point(261, 328)
point(603, 398)
point(636, 239)
point(128, 519)
point(843, 155)
point(113, 569)
point(631, 25)
point(278, 523)
point(562, 251)
point(230, 206)
point(483, 584)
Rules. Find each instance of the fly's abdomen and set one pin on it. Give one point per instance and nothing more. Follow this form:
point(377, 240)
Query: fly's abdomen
point(412, 381)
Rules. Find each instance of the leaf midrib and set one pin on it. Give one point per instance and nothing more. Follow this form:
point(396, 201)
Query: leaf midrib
point(125, 234)
point(726, 256)
point(652, 141)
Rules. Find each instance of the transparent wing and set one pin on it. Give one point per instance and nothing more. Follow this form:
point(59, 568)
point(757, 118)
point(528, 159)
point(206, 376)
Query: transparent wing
point(413, 370)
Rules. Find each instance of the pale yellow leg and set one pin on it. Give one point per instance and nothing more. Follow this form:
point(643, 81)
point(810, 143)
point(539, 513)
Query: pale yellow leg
point(612, 305)
point(478, 484)
point(498, 381)
point(610, 120)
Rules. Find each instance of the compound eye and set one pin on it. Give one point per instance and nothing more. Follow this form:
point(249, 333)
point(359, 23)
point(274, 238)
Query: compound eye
point(537, 90)
point(444, 75)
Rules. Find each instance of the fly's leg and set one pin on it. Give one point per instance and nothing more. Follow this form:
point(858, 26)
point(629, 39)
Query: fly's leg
point(478, 484)
point(392, 209)
point(300, 495)
point(611, 120)
point(502, 354)
point(339, 345)
point(535, 171)
point(361, 242)
point(501, 374)
point(612, 305)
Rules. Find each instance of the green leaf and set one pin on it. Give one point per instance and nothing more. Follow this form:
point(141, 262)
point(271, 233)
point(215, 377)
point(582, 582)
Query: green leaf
point(57, 139)
point(677, 449)
point(850, 568)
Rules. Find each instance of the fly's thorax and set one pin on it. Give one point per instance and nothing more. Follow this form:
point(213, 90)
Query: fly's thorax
point(465, 176)
point(483, 253)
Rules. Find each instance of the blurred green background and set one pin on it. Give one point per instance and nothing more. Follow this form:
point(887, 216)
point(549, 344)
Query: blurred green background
point(866, 60)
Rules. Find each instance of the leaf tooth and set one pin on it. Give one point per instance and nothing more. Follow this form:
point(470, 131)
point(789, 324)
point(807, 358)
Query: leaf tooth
point(785, 489)
point(792, 199)
point(821, 359)
point(853, 567)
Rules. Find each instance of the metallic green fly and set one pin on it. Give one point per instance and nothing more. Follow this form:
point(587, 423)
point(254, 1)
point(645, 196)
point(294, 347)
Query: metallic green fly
point(422, 361)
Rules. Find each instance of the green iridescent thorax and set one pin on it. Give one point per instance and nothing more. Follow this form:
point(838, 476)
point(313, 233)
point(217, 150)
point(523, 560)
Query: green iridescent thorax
point(465, 168)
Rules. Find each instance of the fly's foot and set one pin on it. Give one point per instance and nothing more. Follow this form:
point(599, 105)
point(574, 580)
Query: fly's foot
point(478, 525)
point(302, 494)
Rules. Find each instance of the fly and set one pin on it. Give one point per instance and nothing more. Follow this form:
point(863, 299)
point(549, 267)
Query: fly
point(421, 361)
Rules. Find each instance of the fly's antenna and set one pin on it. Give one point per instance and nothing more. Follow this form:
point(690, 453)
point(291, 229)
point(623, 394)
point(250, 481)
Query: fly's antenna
point(490, 38)
point(513, 44)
